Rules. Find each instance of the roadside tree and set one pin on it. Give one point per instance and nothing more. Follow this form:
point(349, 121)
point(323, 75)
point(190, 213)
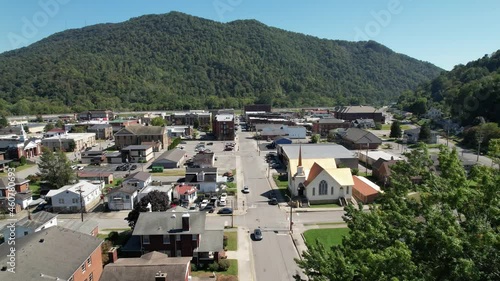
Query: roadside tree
point(159, 203)
point(55, 168)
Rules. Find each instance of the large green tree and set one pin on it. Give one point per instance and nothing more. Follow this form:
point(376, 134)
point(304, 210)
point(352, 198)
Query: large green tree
point(3, 121)
point(157, 121)
point(450, 231)
point(425, 133)
point(395, 130)
point(159, 203)
point(55, 168)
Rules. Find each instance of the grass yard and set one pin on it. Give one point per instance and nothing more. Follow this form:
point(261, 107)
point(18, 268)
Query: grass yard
point(171, 173)
point(232, 270)
point(327, 236)
point(282, 183)
point(332, 205)
point(35, 188)
point(232, 240)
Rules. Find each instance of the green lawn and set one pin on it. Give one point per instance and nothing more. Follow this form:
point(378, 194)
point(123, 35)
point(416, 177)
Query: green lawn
point(232, 240)
point(282, 184)
point(232, 271)
point(332, 205)
point(171, 173)
point(327, 236)
point(24, 167)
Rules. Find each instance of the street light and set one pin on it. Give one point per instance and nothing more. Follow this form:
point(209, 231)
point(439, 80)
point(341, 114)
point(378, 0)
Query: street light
point(290, 203)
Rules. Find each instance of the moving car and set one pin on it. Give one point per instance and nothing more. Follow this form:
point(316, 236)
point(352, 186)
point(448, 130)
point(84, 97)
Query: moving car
point(273, 201)
point(257, 234)
point(225, 211)
point(246, 189)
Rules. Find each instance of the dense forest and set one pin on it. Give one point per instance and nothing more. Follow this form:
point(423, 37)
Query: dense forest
point(177, 61)
point(465, 93)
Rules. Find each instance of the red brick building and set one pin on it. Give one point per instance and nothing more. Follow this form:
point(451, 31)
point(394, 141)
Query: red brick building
point(223, 126)
point(323, 126)
point(351, 113)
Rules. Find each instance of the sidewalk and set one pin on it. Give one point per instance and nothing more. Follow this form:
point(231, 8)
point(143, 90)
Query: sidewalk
point(244, 256)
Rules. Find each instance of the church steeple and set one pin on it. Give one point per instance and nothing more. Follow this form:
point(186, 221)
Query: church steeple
point(300, 169)
point(300, 156)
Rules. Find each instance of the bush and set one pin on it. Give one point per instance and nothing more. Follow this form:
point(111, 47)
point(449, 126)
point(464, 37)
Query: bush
point(22, 160)
point(224, 241)
point(193, 267)
point(113, 236)
point(224, 265)
point(213, 266)
point(355, 171)
point(378, 126)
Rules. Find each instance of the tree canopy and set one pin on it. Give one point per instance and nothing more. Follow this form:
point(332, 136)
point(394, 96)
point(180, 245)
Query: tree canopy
point(396, 130)
point(55, 168)
point(159, 203)
point(448, 231)
point(176, 61)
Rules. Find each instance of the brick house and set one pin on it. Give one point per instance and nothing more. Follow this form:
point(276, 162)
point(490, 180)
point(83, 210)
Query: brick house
point(223, 126)
point(355, 138)
point(136, 135)
point(381, 170)
point(22, 192)
point(323, 126)
point(351, 113)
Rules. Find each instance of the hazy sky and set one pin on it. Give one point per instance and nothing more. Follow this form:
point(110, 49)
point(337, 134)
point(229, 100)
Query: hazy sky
point(443, 32)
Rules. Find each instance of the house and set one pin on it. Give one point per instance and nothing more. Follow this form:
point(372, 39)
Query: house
point(185, 193)
point(325, 125)
point(119, 124)
point(179, 233)
point(288, 154)
point(204, 178)
point(101, 115)
point(223, 126)
point(171, 159)
point(355, 138)
point(88, 227)
point(154, 187)
point(55, 132)
point(138, 180)
point(102, 131)
point(106, 177)
point(204, 160)
point(322, 182)
point(151, 266)
point(137, 134)
point(70, 141)
point(412, 136)
point(93, 157)
point(381, 170)
point(114, 157)
point(73, 197)
point(371, 156)
point(137, 153)
point(122, 198)
point(351, 113)
point(16, 191)
point(365, 190)
point(32, 223)
point(55, 253)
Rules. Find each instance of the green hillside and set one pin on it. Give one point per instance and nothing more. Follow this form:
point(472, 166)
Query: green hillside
point(177, 61)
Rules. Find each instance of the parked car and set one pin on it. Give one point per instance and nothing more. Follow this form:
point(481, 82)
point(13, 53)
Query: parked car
point(73, 167)
point(246, 189)
point(80, 168)
point(257, 234)
point(209, 209)
point(210, 143)
point(225, 211)
point(273, 201)
point(222, 202)
point(203, 204)
point(223, 196)
point(133, 167)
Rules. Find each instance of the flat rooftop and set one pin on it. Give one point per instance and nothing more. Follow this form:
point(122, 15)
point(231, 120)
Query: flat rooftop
point(316, 151)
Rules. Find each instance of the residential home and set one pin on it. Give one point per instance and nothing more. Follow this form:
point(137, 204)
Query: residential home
point(151, 266)
point(122, 198)
point(171, 159)
point(204, 178)
point(55, 132)
point(412, 136)
point(365, 190)
point(185, 193)
point(68, 198)
point(138, 180)
point(179, 233)
point(322, 182)
point(204, 160)
point(371, 156)
point(32, 223)
point(223, 126)
point(355, 138)
point(101, 115)
point(18, 192)
point(88, 227)
point(137, 153)
point(155, 187)
point(105, 177)
point(381, 170)
point(96, 157)
point(136, 135)
point(351, 113)
point(54, 253)
point(102, 131)
point(325, 125)
point(70, 141)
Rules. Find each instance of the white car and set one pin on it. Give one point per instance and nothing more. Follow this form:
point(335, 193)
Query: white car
point(246, 189)
point(222, 202)
point(73, 167)
point(80, 168)
point(203, 204)
point(223, 196)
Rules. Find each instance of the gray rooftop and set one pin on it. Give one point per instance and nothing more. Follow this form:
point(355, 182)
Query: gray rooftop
point(330, 121)
point(54, 251)
point(125, 189)
point(137, 147)
point(358, 109)
point(85, 227)
point(211, 241)
point(142, 176)
point(142, 130)
point(159, 223)
point(316, 151)
point(145, 268)
point(99, 127)
point(357, 135)
point(174, 155)
point(37, 220)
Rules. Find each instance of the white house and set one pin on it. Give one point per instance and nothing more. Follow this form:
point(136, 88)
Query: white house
point(374, 155)
point(67, 198)
point(122, 198)
point(161, 188)
point(32, 223)
point(204, 178)
point(138, 180)
point(185, 193)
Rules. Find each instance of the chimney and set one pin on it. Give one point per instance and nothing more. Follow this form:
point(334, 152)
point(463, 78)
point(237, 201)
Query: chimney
point(161, 276)
point(112, 255)
point(185, 222)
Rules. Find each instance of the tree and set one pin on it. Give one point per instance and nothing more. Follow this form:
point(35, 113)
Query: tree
point(71, 146)
point(315, 138)
point(49, 127)
point(425, 134)
point(157, 121)
point(39, 118)
point(494, 151)
point(60, 124)
point(55, 168)
point(159, 203)
point(396, 130)
point(196, 124)
point(449, 233)
point(3, 121)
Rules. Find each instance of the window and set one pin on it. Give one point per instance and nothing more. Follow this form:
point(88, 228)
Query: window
point(178, 253)
point(195, 237)
point(91, 276)
point(61, 200)
point(347, 192)
point(26, 233)
point(145, 239)
point(83, 267)
point(332, 190)
point(314, 191)
point(89, 261)
point(166, 239)
point(323, 188)
point(177, 238)
point(127, 196)
point(75, 200)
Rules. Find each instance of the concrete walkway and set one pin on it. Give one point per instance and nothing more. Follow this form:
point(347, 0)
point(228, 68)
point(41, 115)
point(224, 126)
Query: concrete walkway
point(244, 256)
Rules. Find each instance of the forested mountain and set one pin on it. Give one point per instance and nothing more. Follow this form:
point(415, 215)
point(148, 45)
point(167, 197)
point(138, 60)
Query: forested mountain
point(466, 92)
point(177, 61)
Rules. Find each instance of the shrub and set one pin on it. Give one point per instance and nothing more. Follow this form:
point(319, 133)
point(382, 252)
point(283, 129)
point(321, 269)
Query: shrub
point(213, 266)
point(193, 267)
point(224, 241)
point(355, 171)
point(224, 265)
point(22, 160)
point(113, 236)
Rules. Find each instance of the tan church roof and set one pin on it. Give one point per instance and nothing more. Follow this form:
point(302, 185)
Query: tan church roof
point(326, 163)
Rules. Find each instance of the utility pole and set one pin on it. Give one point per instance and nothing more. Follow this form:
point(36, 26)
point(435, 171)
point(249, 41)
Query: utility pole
point(366, 163)
point(479, 139)
point(79, 190)
point(232, 214)
point(291, 219)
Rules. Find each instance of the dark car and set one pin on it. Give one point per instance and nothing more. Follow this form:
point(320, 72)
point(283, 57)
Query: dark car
point(209, 209)
point(257, 234)
point(210, 143)
point(273, 201)
point(225, 211)
point(133, 167)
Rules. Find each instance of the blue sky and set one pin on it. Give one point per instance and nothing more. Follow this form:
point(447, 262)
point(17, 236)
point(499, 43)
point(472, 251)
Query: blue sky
point(444, 32)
